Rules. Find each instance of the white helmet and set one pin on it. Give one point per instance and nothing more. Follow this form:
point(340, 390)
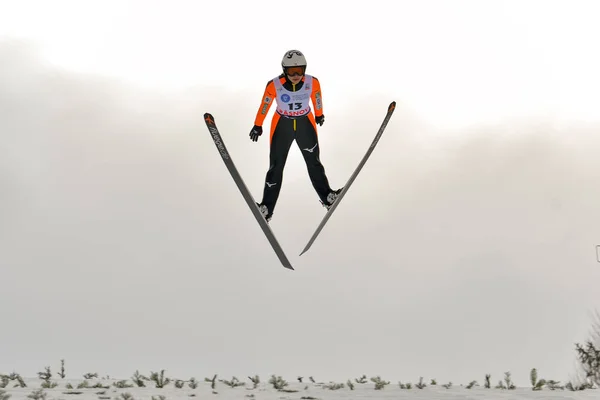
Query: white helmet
point(293, 58)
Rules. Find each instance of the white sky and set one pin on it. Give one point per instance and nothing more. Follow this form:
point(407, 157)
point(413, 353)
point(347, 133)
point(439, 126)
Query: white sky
point(473, 225)
point(453, 61)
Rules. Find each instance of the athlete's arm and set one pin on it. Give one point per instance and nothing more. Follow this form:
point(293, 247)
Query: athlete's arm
point(267, 99)
point(316, 97)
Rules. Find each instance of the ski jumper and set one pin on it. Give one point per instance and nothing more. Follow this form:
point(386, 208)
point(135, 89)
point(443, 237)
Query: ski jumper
point(293, 119)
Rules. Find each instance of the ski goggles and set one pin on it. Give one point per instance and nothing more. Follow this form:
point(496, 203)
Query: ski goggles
point(295, 71)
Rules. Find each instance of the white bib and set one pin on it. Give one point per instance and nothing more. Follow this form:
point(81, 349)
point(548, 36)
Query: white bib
point(293, 104)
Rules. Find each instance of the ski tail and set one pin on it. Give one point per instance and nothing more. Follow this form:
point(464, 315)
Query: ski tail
point(220, 144)
point(329, 212)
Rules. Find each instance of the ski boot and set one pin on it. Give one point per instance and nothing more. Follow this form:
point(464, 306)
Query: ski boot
point(265, 212)
point(331, 198)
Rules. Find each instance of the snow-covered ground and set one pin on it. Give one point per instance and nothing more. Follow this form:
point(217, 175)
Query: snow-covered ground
point(106, 389)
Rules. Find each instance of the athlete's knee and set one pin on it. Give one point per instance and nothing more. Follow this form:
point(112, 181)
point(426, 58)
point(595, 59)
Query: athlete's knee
point(277, 163)
point(311, 156)
point(313, 163)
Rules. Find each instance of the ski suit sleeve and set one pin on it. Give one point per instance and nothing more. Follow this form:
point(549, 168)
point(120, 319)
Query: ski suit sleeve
point(316, 97)
point(265, 105)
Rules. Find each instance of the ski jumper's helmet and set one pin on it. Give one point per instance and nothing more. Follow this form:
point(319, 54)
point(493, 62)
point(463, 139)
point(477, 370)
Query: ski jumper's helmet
point(293, 58)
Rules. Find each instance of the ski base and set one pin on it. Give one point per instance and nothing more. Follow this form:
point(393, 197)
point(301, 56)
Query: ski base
point(329, 212)
point(262, 222)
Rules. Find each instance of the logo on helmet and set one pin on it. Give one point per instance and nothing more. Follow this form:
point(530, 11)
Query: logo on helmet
point(291, 53)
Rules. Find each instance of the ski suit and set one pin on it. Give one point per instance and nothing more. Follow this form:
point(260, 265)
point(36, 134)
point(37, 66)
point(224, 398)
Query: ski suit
point(293, 119)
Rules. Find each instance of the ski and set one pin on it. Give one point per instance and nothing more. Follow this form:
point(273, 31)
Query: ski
point(216, 137)
point(329, 212)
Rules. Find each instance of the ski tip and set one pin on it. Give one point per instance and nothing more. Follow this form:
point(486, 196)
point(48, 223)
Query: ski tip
point(392, 106)
point(208, 118)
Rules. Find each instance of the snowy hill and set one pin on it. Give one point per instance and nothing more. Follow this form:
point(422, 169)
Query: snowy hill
point(160, 387)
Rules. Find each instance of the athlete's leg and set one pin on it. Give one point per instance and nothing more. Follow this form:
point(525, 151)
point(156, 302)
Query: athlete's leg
point(281, 138)
point(306, 137)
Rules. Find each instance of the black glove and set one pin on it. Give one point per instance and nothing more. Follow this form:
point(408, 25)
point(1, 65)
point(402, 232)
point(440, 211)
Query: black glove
point(255, 133)
point(320, 120)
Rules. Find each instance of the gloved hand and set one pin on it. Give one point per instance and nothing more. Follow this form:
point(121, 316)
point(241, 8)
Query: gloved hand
point(320, 120)
point(255, 133)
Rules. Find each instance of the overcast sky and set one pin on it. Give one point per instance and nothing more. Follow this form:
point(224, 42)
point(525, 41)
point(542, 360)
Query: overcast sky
point(465, 247)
